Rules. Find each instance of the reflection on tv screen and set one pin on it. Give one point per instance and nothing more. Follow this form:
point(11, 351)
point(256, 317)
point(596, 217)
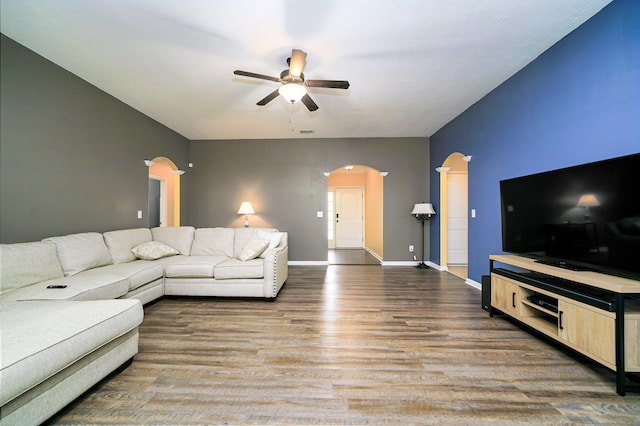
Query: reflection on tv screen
point(586, 216)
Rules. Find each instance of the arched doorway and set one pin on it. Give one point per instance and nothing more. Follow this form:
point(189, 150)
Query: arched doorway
point(454, 220)
point(355, 215)
point(164, 193)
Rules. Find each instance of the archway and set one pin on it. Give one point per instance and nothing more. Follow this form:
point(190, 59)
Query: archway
point(454, 221)
point(164, 176)
point(355, 192)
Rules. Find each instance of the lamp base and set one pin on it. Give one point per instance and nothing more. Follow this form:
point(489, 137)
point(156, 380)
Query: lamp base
point(422, 265)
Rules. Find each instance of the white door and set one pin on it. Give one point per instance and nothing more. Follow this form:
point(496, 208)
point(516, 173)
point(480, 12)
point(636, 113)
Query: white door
point(457, 219)
point(349, 218)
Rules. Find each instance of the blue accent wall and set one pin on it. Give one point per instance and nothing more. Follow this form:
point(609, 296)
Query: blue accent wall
point(576, 103)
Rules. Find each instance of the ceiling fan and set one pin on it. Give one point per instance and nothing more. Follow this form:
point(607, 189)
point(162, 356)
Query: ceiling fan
point(294, 86)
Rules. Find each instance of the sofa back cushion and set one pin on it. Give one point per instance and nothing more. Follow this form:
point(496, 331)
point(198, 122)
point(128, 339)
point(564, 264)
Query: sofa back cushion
point(23, 264)
point(213, 241)
point(274, 238)
point(122, 241)
point(79, 252)
point(179, 237)
point(242, 237)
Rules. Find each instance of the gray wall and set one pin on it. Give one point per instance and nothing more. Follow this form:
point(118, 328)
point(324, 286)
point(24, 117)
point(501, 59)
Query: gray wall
point(283, 180)
point(71, 161)
point(71, 155)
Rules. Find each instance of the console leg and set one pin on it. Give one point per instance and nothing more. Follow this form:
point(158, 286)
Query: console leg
point(620, 373)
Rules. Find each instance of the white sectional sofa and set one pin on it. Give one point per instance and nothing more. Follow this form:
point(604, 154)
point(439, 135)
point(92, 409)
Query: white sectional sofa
point(70, 306)
point(53, 351)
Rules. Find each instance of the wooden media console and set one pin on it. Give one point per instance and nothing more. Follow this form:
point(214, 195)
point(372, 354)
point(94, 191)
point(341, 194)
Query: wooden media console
point(595, 314)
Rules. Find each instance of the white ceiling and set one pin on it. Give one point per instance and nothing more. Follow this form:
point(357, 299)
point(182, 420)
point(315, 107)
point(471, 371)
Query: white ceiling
point(413, 65)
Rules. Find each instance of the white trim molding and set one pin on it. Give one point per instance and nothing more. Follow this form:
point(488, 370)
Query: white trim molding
point(399, 263)
point(473, 283)
point(437, 267)
point(374, 254)
point(308, 262)
point(410, 263)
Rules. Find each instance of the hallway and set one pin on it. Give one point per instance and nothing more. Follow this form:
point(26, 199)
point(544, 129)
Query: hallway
point(351, 257)
point(459, 271)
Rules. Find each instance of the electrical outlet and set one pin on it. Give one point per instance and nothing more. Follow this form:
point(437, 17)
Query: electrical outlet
point(411, 250)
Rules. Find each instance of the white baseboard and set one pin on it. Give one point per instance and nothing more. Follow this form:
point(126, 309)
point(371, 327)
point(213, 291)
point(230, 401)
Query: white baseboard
point(326, 263)
point(398, 263)
point(437, 267)
point(374, 254)
point(411, 263)
point(382, 262)
point(474, 284)
point(432, 265)
point(468, 281)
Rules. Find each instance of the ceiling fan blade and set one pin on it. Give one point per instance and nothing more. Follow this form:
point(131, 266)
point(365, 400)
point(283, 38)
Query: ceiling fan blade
point(254, 75)
point(271, 96)
point(331, 84)
point(308, 102)
point(296, 64)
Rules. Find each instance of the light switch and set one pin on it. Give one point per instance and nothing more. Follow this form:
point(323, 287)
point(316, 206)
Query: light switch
point(139, 214)
point(320, 213)
point(473, 213)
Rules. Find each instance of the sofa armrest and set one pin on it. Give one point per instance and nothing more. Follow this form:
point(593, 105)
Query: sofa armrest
point(276, 270)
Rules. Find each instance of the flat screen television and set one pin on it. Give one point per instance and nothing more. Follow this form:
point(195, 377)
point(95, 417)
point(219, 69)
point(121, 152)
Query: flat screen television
point(585, 217)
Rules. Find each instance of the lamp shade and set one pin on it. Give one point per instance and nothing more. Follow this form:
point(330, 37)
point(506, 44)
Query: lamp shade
point(423, 208)
point(246, 208)
point(292, 92)
point(588, 200)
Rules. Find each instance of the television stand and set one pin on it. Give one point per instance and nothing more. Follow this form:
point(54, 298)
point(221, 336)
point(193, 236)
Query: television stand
point(564, 265)
point(595, 314)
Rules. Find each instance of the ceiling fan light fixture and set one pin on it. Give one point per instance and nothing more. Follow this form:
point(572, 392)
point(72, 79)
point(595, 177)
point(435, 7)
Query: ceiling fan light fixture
point(292, 92)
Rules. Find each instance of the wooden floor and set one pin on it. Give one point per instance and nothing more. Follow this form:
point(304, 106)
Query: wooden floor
point(351, 257)
point(349, 345)
point(459, 271)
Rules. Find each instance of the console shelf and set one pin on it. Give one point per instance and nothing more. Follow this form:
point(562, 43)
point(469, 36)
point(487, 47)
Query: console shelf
point(595, 314)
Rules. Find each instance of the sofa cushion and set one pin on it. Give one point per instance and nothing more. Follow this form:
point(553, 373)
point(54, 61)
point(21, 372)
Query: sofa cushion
point(180, 237)
point(243, 235)
point(192, 266)
point(213, 241)
point(79, 252)
point(78, 287)
point(23, 264)
point(274, 238)
point(253, 248)
point(46, 337)
point(138, 273)
point(235, 268)
point(122, 241)
point(153, 250)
